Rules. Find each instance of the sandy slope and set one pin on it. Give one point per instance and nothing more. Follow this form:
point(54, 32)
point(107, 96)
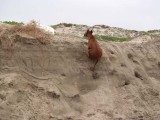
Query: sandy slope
point(53, 81)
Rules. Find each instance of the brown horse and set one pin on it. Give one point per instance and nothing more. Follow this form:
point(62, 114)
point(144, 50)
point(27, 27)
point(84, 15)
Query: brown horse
point(94, 50)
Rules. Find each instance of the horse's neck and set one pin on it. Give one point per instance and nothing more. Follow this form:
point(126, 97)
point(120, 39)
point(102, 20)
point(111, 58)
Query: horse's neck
point(91, 38)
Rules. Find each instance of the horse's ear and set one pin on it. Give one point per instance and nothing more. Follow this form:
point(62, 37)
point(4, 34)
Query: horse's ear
point(91, 31)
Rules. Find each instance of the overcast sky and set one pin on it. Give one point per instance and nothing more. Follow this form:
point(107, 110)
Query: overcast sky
point(129, 14)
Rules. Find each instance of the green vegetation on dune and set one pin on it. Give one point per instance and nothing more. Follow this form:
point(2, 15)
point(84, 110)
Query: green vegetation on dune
point(54, 26)
point(65, 24)
point(13, 22)
point(110, 38)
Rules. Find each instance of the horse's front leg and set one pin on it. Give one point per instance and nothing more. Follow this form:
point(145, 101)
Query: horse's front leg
point(87, 53)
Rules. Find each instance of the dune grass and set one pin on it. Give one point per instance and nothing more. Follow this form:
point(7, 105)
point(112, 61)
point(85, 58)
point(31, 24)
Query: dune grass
point(31, 29)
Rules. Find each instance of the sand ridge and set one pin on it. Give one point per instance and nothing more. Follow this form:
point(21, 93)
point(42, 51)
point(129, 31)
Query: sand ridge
point(54, 82)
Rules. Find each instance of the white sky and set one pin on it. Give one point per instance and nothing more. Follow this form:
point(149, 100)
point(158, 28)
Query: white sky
point(129, 14)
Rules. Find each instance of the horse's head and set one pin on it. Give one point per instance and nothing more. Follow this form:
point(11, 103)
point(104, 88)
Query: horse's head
point(88, 33)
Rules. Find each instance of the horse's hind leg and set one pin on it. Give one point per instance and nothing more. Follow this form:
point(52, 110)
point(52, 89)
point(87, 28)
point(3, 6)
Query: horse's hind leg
point(93, 68)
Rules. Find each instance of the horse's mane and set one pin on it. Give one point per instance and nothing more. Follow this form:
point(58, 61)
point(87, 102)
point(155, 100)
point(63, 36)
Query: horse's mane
point(93, 38)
